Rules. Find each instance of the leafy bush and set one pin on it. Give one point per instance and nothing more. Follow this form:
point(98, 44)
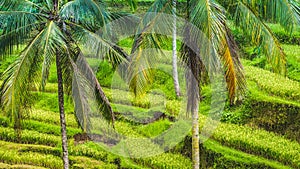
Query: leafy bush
point(293, 60)
point(105, 74)
point(173, 108)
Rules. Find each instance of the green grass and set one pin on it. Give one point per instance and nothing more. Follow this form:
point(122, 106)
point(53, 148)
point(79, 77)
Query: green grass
point(49, 102)
point(154, 129)
point(44, 156)
point(273, 84)
point(293, 61)
point(240, 145)
point(258, 142)
point(28, 137)
point(232, 158)
point(16, 154)
point(51, 117)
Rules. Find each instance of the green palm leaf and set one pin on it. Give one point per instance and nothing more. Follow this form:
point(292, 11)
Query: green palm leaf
point(83, 70)
point(261, 35)
point(99, 46)
point(212, 41)
point(89, 13)
point(285, 12)
point(146, 37)
point(24, 73)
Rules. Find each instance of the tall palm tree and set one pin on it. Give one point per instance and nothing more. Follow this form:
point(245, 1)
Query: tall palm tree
point(54, 32)
point(174, 52)
point(210, 18)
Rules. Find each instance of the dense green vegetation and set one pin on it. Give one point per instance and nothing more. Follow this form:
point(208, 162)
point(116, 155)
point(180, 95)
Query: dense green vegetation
point(262, 130)
point(231, 145)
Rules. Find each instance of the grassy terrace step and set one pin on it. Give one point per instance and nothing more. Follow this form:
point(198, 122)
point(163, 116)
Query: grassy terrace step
point(166, 160)
point(12, 154)
point(258, 142)
point(261, 95)
point(39, 155)
point(252, 141)
point(41, 127)
point(51, 117)
point(115, 96)
point(219, 156)
point(19, 166)
point(29, 137)
point(273, 84)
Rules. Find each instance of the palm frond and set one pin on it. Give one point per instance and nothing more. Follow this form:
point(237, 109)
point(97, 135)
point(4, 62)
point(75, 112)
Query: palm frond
point(210, 47)
point(16, 5)
point(24, 72)
point(151, 33)
point(236, 82)
point(17, 29)
point(89, 13)
point(99, 47)
point(14, 90)
point(133, 4)
point(262, 36)
point(83, 95)
point(285, 12)
point(82, 69)
point(53, 39)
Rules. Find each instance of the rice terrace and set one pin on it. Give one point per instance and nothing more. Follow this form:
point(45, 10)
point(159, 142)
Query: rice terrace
point(163, 84)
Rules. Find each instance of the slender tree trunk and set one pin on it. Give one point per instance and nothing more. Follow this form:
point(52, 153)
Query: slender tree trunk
point(62, 113)
point(174, 48)
point(193, 107)
point(195, 134)
point(194, 95)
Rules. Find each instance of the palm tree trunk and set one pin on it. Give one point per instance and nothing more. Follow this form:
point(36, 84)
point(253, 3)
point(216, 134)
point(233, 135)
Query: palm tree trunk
point(195, 135)
point(62, 113)
point(174, 47)
point(193, 107)
point(194, 95)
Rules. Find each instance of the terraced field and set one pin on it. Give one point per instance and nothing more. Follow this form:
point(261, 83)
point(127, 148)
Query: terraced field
point(231, 145)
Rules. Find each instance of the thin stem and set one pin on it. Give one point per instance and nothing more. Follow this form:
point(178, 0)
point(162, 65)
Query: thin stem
point(62, 112)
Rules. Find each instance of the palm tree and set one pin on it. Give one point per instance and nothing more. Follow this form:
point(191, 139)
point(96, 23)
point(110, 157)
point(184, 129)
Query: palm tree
point(55, 30)
point(209, 18)
point(174, 52)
